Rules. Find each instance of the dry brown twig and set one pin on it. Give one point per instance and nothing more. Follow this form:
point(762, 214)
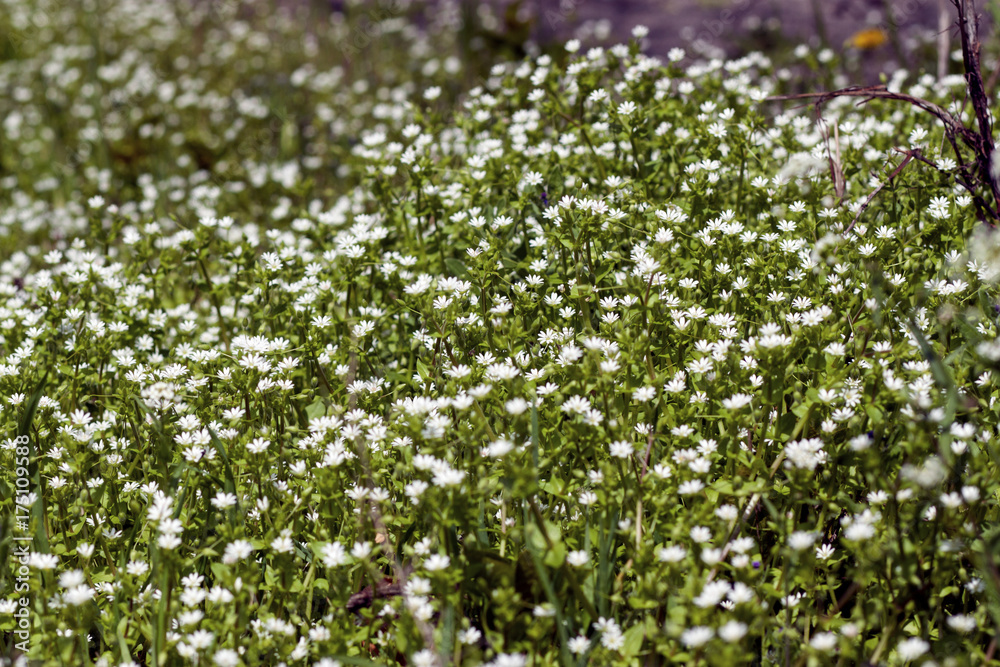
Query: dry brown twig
point(895, 172)
point(954, 131)
point(979, 141)
point(836, 165)
point(398, 570)
point(968, 22)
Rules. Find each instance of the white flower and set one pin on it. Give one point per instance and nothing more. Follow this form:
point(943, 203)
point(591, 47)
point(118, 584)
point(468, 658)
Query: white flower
point(544, 610)
point(801, 540)
point(334, 554)
point(696, 636)
point(963, 431)
point(701, 534)
point(737, 401)
point(644, 394)
point(823, 641)
point(78, 595)
point(236, 551)
point(437, 562)
point(283, 543)
point(671, 554)
point(621, 449)
point(970, 494)
point(691, 487)
point(732, 631)
point(424, 658)
point(578, 645)
point(804, 454)
point(361, 550)
point(961, 623)
point(223, 500)
point(516, 406)
point(469, 636)
point(226, 658)
point(912, 648)
point(859, 531)
point(495, 449)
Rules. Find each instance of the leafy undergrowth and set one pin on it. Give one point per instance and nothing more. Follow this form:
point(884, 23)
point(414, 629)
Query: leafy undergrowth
point(591, 363)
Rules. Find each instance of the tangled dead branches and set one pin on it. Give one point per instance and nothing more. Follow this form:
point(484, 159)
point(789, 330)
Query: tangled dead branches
point(974, 176)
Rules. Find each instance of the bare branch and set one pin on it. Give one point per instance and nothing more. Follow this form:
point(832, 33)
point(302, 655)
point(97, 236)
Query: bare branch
point(880, 92)
point(909, 156)
point(968, 21)
point(953, 128)
point(836, 168)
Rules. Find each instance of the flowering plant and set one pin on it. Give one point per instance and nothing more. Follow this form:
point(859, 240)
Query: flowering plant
point(602, 360)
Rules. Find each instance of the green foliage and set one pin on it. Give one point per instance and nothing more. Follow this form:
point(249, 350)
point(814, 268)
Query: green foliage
point(324, 359)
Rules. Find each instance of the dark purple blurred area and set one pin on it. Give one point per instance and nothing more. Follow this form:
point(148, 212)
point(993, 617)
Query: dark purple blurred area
point(730, 26)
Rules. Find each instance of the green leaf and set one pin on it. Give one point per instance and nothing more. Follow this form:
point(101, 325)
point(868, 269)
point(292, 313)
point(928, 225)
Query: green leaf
point(554, 486)
point(316, 409)
point(221, 571)
point(633, 639)
point(555, 556)
point(875, 414)
point(941, 374)
point(235, 512)
point(457, 268)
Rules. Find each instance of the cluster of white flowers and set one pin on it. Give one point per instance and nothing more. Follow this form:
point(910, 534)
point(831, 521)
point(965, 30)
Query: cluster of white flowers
point(303, 348)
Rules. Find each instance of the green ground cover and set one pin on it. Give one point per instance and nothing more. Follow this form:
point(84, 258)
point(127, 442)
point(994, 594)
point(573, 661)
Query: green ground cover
point(336, 340)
